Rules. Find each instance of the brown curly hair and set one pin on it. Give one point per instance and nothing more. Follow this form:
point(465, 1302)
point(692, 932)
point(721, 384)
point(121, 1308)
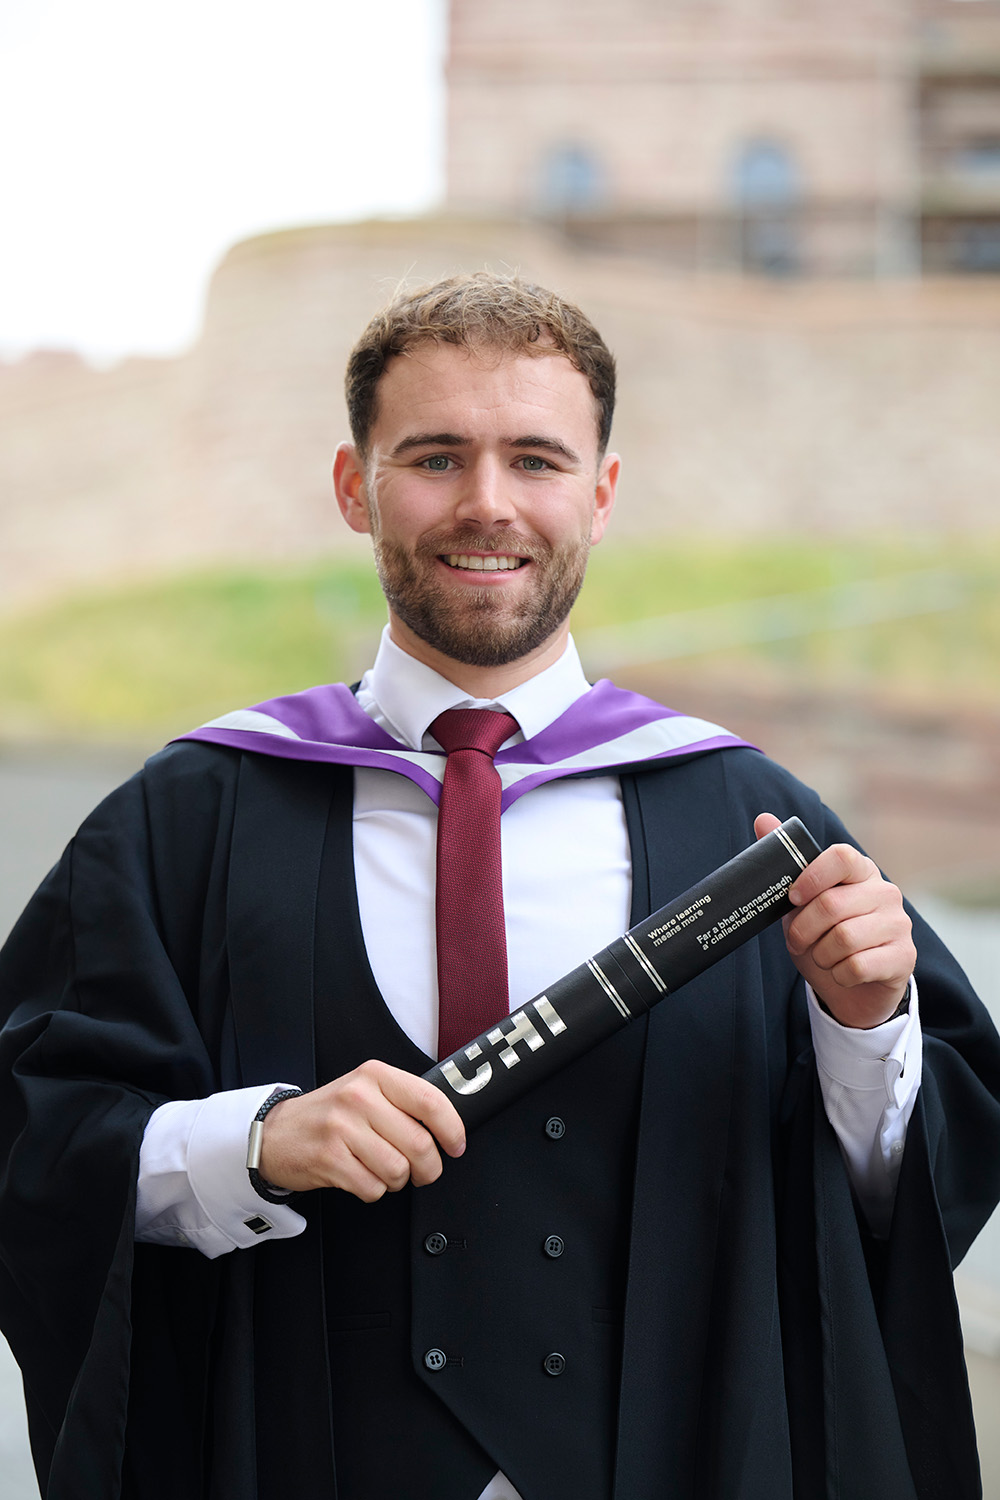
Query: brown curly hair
point(481, 310)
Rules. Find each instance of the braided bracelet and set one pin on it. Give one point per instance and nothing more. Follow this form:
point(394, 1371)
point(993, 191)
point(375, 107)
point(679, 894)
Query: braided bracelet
point(255, 1142)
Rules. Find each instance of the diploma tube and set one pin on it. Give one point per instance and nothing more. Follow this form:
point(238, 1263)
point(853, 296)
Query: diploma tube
point(621, 982)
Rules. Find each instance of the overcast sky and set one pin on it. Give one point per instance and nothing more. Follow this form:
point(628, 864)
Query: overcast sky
point(138, 140)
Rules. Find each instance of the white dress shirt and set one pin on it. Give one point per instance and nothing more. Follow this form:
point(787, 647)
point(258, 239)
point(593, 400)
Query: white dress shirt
point(567, 893)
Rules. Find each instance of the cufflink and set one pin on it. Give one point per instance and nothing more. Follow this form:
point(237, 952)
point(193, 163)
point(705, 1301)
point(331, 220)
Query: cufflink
point(258, 1225)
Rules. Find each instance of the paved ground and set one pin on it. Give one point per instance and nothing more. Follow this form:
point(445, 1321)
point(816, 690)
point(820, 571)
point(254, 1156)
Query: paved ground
point(43, 797)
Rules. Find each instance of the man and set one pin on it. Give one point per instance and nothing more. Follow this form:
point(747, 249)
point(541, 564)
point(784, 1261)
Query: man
point(698, 1262)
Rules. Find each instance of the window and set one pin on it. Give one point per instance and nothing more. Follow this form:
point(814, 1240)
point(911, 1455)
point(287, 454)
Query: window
point(765, 174)
point(767, 191)
point(979, 158)
point(976, 247)
point(572, 181)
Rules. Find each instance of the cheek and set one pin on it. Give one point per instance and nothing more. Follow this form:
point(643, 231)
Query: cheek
point(397, 514)
point(571, 524)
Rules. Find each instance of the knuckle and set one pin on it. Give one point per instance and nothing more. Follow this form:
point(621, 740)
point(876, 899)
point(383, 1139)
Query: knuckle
point(352, 1092)
point(425, 1172)
point(855, 969)
point(418, 1144)
point(371, 1192)
point(827, 904)
point(397, 1177)
point(368, 1076)
point(842, 940)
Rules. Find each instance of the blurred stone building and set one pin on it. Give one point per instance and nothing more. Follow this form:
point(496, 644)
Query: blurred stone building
point(607, 148)
point(778, 136)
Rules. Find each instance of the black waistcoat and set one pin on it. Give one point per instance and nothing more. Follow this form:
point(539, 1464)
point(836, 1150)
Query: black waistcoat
point(478, 1320)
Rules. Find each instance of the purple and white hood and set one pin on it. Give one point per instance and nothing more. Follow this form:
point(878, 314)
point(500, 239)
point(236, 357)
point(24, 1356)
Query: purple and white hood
point(608, 728)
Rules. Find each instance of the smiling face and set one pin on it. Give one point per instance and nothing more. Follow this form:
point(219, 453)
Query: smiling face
point(483, 493)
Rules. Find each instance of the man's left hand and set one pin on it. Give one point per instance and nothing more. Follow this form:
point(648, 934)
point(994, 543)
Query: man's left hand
point(850, 938)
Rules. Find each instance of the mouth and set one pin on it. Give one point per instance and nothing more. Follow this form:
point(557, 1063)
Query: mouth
point(473, 562)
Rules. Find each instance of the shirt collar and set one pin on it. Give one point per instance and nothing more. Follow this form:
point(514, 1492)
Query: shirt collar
point(404, 696)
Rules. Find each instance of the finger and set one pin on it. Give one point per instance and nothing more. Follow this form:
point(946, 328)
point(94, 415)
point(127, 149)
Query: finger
point(765, 823)
point(887, 966)
point(841, 864)
point(398, 1147)
point(338, 1149)
point(357, 1178)
point(876, 899)
point(393, 1154)
point(379, 1132)
point(851, 940)
point(375, 1080)
point(420, 1099)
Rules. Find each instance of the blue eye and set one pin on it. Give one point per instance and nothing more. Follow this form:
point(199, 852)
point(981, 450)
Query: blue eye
point(533, 463)
point(438, 463)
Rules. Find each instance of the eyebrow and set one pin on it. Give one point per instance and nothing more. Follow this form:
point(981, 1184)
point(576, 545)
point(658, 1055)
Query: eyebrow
point(454, 440)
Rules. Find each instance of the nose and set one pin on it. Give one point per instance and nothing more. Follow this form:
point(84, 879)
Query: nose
point(485, 495)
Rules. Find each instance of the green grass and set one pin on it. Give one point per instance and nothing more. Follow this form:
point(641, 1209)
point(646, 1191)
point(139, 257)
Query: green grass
point(955, 652)
point(158, 659)
point(151, 660)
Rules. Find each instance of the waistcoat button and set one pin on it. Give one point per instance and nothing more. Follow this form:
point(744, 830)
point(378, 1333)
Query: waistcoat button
point(436, 1359)
point(436, 1244)
point(554, 1246)
point(553, 1364)
point(555, 1128)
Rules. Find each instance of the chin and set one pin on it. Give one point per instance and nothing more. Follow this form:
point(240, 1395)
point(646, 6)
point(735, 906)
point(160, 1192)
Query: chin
point(484, 630)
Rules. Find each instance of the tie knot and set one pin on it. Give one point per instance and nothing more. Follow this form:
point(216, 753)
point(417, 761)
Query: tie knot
point(473, 729)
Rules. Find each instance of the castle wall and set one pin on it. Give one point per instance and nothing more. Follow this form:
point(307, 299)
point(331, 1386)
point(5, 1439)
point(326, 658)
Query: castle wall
point(745, 407)
point(649, 109)
point(676, 128)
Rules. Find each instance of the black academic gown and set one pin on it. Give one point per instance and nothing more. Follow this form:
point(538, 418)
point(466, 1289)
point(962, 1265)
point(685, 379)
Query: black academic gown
point(771, 1349)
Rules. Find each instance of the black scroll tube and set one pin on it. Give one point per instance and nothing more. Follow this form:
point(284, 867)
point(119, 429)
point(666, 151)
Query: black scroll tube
point(653, 959)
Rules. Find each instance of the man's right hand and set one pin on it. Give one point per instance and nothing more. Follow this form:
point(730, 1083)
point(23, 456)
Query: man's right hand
point(370, 1132)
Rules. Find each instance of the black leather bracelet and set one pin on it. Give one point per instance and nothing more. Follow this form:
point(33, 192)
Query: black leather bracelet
point(902, 1009)
point(264, 1189)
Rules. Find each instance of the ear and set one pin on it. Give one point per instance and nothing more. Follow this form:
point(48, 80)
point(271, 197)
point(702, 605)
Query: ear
point(349, 486)
point(604, 495)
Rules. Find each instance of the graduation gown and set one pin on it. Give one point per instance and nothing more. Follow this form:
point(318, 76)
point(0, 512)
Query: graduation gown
point(771, 1348)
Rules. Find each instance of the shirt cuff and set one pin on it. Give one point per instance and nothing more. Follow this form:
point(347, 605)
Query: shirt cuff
point(193, 1186)
point(886, 1057)
point(869, 1081)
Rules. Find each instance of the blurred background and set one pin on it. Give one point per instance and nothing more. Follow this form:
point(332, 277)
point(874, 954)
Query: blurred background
point(783, 215)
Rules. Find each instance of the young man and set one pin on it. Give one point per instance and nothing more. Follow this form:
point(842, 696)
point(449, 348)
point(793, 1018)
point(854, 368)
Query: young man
point(698, 1262)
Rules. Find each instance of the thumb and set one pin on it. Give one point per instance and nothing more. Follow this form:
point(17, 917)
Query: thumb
point(765, 823)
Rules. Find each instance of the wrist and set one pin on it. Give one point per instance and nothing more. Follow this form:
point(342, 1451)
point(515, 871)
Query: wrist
point(255, 1141)
point(901, 1009)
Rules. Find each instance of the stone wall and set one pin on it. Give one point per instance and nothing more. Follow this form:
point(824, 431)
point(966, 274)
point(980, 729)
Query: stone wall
point(744, 407)
point(662, 96)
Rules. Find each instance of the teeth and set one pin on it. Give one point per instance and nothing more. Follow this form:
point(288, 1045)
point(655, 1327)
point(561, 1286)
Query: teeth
point(492, 564)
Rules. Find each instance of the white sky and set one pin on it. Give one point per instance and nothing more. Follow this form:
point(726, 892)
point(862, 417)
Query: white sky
point(139, 140)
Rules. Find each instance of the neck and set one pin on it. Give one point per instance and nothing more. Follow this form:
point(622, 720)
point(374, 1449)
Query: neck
point(481, 682)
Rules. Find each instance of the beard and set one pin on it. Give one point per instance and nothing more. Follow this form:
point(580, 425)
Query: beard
point(482, 629)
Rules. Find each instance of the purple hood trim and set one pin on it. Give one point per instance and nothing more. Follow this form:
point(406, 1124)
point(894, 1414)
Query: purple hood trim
point(608, 728)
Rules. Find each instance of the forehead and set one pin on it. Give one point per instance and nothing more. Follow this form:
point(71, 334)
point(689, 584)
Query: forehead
point(437, 387)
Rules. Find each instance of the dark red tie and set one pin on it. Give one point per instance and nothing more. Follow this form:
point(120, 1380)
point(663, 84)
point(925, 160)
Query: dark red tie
point(471, 937)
